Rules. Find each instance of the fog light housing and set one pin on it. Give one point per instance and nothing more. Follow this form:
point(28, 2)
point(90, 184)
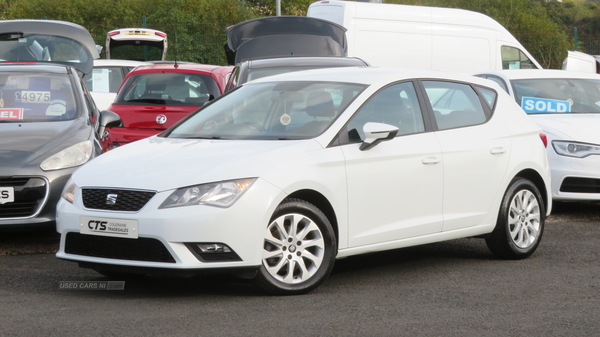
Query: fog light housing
point(212, 252)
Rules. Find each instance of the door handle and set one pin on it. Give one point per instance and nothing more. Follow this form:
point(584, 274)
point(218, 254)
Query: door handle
point(498, 150)
point(431, 160)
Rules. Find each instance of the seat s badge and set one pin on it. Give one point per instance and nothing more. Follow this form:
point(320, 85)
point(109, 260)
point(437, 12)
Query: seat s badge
point(111, 199)
point(161, 119)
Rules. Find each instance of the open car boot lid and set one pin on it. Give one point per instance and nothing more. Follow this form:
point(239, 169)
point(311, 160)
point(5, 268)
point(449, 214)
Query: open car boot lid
point(282, 36)
point(47, 41)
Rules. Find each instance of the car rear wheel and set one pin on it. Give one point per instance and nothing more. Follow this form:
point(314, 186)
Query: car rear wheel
point(299, 249)
point(520, 222)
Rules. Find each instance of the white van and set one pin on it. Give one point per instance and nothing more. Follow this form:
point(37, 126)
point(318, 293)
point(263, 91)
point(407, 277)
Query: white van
point(578, 61)
point(422, 37)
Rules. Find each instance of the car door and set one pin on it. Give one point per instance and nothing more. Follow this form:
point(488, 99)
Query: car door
point(395, 187)
point(475, 150)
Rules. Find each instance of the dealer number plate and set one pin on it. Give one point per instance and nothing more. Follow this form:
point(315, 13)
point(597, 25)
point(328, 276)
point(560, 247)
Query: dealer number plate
point(35, 96)
point(122, 228)
point(7, 194)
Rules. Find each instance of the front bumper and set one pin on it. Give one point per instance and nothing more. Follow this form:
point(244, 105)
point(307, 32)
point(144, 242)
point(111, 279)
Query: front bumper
point(575, 178)
point(168, 235)
point(41, 215)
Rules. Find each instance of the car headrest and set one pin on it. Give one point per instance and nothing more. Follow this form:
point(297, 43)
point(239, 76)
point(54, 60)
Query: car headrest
point(320, 104)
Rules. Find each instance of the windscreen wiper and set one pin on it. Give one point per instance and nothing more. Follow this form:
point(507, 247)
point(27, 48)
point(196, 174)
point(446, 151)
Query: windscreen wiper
point(148, 100)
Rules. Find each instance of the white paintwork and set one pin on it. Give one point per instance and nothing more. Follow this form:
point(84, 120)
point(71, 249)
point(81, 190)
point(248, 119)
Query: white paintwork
point(423, 37)
point(583, 128)
point(578, 61)
point(396, 194)
point(104, 99)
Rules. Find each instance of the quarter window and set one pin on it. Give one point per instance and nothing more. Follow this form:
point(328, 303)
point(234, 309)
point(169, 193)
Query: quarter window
point(454, 104)
point(489, 96)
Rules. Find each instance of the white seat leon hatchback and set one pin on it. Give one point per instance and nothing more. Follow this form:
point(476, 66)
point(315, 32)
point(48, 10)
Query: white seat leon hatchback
point(280, 177)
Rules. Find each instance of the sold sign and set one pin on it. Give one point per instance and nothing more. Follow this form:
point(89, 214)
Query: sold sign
point(11, 114)
point(543, 105)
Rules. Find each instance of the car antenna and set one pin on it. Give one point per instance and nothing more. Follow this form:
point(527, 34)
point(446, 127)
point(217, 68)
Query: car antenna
point(176, 65)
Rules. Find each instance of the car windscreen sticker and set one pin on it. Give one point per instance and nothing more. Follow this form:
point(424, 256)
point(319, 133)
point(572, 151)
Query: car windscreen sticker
point(543, 105)
point(56, 108)
point(285, 119)
point(11, 114)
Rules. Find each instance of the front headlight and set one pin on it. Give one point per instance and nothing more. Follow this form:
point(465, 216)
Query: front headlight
point(72, 156)
point(220, 194)
point(69, 191)
point(574, 149)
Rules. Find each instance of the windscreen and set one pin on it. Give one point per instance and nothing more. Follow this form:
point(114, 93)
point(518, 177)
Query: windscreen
point(273, 110)
point(186, 89)
point(558, 96)
point(36, 98)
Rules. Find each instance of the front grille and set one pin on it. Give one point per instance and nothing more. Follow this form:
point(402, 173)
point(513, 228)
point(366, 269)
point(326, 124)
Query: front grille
point(126, 200)
point(30, 194)
point(580, 185)
point(140, 249)
point(18, 181)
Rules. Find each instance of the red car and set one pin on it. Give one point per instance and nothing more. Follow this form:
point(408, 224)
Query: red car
point(154, 97)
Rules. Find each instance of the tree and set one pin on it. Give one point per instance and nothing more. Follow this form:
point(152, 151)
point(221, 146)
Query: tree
point(195, 28)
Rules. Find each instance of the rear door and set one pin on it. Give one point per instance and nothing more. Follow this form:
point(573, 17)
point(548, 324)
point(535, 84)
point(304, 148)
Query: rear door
point(475, 148)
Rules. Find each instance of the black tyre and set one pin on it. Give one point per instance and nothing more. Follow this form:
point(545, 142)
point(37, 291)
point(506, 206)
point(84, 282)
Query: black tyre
point(520, 222)
point(299, 249)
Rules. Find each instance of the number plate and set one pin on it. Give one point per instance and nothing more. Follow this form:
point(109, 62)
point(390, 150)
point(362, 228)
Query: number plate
point(35, 96)
point(7, 194)
point(122, 228)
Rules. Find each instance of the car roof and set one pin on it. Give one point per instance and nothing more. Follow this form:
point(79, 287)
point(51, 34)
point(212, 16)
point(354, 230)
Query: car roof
point(306, 61)
point(520, 74)
point(181, 67)
point(117, 62)
point(34, 68)
point(372, 75)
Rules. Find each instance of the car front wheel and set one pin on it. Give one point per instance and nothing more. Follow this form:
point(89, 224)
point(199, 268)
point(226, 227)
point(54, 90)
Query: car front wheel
point(299, 249)
point(520, 222)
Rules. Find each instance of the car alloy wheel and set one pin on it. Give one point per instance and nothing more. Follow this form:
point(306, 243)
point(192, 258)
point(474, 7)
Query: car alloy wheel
point(520, 222)
point(524, 219)
point(298, 251)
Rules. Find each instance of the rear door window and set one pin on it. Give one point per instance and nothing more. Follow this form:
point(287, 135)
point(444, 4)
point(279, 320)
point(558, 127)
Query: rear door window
point(454, 104)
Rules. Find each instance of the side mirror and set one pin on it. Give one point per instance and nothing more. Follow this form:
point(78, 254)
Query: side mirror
point(376, 133)
point(108, 119)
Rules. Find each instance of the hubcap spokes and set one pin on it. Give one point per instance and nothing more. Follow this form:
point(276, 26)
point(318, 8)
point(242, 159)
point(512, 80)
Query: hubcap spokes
point(524, 219)
point(293, 248)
